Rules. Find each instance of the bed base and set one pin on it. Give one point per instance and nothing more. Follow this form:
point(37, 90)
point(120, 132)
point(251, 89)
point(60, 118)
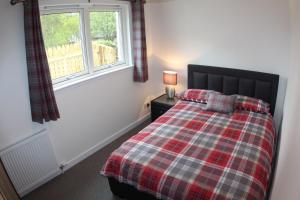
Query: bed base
point(126, 191)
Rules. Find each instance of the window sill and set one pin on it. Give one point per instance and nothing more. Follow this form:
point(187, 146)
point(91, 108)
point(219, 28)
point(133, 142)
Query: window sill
point(87, 77)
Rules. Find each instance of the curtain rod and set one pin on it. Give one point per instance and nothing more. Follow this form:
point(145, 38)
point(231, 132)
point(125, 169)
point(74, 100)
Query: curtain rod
point(14, 2)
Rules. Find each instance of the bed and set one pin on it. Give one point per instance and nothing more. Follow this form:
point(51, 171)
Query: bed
point(189, 153)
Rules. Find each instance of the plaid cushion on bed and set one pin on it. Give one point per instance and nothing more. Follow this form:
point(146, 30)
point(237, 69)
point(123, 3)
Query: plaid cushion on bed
point(220, 103)
point(189, 153)
point(251, 104)
point(196, 95)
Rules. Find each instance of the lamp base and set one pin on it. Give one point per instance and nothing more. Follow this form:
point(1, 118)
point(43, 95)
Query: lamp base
point(170, 91)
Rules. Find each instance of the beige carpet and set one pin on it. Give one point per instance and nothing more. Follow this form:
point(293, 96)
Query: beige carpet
point(83, 181)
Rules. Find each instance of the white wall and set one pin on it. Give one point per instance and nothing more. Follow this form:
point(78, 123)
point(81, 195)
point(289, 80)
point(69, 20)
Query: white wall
point(90, 111)
point(15, 122)
point(252, 35)
point(288, 175)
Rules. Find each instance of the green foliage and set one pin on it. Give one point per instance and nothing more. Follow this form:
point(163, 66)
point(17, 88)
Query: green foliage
point(60, 29)
point(103, 25)
point(106, 42)
point(64, 28)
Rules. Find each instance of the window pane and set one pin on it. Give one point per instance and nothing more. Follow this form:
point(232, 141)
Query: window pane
point(104, 34)
point(61, 32)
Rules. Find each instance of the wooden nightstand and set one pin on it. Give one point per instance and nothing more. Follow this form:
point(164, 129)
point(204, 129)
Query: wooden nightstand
point(160, 105)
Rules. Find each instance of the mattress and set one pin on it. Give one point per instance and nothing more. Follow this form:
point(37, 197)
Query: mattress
point(190, 153)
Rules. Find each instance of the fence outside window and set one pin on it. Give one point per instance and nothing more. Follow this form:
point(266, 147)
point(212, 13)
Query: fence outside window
point(67, 59)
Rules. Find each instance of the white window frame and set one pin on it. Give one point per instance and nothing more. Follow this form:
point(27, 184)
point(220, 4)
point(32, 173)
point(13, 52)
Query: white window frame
point(124, 39)
point(119, 32)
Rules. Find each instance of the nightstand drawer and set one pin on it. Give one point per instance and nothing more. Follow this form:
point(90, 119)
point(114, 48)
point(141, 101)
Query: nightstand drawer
point(160, 105)
point(157, 111)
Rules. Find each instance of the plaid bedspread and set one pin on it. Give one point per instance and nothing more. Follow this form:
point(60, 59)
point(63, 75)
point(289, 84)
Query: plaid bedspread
point(189, 153)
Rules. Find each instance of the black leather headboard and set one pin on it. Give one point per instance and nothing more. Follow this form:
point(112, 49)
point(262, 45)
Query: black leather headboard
point(234, 81)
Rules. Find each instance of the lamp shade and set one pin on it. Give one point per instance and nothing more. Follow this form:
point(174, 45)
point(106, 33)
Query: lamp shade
point(170, 78)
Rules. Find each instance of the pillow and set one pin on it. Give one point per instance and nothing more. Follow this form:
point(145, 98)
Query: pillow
point(251, 104)
point(220, 103)
point(196, 95)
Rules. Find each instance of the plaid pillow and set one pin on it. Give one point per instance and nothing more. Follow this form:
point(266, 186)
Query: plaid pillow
point(251, 104)
point(220, 103)
point(196, 95)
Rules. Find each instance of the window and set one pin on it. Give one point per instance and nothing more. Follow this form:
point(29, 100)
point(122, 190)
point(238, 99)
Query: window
point(105, 39)
point(63, 43)
point(85, 40)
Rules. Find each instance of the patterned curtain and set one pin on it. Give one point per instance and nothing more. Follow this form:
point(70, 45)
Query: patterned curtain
point(139, 41)
point(42, 99)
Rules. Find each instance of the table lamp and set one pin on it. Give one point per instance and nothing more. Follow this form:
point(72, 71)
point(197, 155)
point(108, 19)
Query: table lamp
point(170, 80)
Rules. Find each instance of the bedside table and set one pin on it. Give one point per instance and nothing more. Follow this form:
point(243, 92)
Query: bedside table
point(160, 105)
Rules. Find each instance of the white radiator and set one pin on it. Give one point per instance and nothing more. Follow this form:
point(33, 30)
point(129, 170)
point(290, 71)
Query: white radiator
point(30, 163)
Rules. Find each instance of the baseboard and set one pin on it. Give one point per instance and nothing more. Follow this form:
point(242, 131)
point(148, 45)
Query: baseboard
point(103, 143)
point(39, 183)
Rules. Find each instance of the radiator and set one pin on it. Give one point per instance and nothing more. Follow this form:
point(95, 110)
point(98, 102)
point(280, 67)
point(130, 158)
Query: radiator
point(30, 163)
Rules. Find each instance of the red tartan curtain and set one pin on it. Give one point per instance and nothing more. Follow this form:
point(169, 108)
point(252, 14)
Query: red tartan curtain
point(42, 99)
point(139, 41)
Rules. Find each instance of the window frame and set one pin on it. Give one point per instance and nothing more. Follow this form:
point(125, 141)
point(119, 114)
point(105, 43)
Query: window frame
point(120, 37)
point(124, 39)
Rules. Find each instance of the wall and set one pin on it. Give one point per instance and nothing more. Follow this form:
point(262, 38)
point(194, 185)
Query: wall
point(15, 122)
point(252, 35)
point(288, 176)
point(90, 111)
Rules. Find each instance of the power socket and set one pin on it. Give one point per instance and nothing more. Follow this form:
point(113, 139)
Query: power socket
point(147, 105)
point(62, 167)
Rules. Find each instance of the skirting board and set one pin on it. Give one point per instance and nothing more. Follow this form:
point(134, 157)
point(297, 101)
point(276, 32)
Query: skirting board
point(103, 143)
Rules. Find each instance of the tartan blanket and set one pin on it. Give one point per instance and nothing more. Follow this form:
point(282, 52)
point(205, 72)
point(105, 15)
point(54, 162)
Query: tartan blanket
point(190, 153)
